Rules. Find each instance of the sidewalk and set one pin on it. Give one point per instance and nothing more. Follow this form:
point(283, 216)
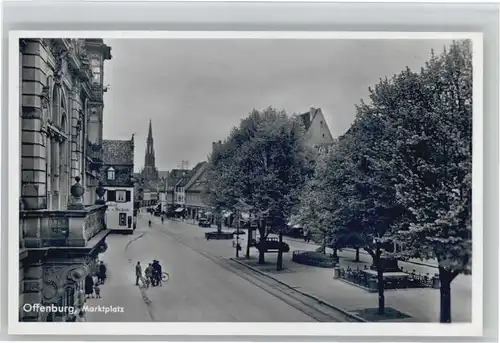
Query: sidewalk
point(119, 290)
point(420, 305)
point(428, 263)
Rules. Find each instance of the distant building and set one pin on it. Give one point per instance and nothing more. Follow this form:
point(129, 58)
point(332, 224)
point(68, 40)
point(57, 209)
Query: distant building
point(317, 130)
point(174, 176)
point(149, 173)
point(116, 176)
point(193, 186)
point(150, 181)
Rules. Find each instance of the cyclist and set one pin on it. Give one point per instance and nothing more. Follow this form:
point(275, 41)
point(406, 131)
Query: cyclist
point(157, 274)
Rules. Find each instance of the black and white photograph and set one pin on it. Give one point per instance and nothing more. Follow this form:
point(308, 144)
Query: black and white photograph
point(245, 183)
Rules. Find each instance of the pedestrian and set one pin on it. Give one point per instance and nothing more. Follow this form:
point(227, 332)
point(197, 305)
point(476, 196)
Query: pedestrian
point(102, 272)
point(97, 290)
point(148, 273)
point(305, 233)
point(89, 286)
point(138, 273)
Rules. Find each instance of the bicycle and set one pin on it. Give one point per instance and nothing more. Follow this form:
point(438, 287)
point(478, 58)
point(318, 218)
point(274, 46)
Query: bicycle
point(165, 276)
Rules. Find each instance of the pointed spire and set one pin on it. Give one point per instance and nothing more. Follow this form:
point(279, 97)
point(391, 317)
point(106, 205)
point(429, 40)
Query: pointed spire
point(150, 133)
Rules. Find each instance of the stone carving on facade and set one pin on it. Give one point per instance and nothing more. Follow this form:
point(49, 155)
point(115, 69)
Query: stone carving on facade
point(31, 286)
point(79, 122)
point(77, 273)
point(52, 282)
point(59, 66)
point(45, 98)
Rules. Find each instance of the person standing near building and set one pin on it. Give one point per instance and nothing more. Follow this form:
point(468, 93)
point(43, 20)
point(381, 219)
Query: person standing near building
point(138, 273)
point(101, 274)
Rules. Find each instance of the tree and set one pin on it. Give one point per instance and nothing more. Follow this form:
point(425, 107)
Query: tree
point(312, 207)
point(263, 163)
point(433, 161)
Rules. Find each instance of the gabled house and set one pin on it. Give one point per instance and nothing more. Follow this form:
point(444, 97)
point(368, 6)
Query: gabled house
point(117, 179)
point(317, 130)
point(173, 178)
point(193, 188)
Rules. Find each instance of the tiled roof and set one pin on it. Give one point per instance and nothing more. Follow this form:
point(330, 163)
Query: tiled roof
point(308, 117)
point(194, 173)
point(175, 176)
point(118, 152)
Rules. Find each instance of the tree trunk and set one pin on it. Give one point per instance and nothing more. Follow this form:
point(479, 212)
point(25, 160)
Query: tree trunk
point(262, 259)
point(249, 237)
point(445, 278)
point(279, 261)
point(323, 246)
point(357, 255)
point(262, 241)
point(219, 227)
point(380, 282)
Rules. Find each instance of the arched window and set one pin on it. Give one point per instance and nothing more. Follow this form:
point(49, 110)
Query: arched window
point(56, 102)
point(58, 147)
point(111, 174)
point(63, 113)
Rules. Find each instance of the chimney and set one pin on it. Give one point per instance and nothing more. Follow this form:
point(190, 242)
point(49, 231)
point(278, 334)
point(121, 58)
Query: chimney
point(312, 110)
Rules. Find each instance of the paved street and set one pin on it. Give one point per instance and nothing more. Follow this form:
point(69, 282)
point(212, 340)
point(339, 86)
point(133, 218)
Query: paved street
point(421, 304)
point(198, 290)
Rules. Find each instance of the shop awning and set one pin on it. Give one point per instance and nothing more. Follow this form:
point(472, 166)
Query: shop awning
point(180, 209)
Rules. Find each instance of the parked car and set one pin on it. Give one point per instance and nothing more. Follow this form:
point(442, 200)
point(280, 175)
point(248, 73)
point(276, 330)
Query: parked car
point(203, 222)
point(239, 232)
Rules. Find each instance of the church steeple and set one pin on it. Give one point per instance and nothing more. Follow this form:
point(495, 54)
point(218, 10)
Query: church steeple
point(150, 150)
point(150, 172)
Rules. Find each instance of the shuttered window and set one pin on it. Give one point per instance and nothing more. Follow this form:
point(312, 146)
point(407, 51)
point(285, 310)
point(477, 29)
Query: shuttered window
point(111, 195)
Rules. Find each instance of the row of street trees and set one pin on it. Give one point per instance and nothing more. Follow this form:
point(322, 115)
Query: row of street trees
point(403, 172)
point(261, 168)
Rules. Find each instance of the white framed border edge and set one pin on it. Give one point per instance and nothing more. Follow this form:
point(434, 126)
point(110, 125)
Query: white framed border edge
point(475, 328)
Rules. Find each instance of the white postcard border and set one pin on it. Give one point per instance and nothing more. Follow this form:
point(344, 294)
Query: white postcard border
point(245, 329)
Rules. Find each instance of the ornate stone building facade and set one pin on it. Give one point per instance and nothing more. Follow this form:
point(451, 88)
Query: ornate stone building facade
point(62, 227)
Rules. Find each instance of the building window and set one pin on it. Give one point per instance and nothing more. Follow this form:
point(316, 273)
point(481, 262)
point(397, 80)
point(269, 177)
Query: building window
point(96, 70)
point(111, 174)
point(121, 196)
point(122, 219)
point(323, 135)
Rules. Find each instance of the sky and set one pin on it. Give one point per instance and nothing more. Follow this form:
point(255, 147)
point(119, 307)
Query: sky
point(196, 91)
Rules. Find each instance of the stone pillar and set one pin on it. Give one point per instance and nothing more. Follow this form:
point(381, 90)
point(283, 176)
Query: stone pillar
point(77, 122)
point(33, 144)
point(31, 292)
